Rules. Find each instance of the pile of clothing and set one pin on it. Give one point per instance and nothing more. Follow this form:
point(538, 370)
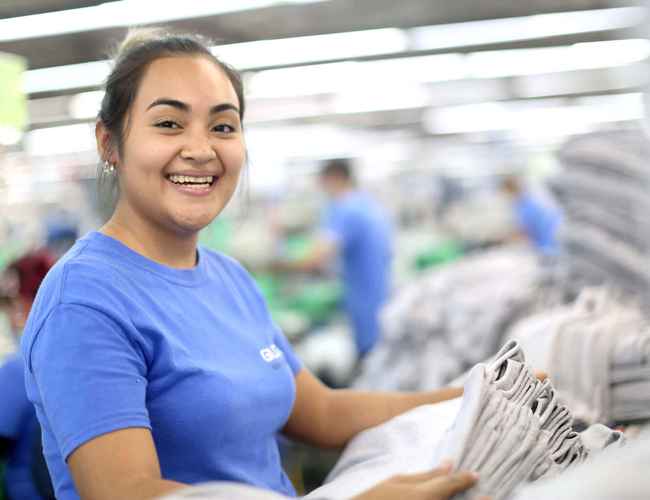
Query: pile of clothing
point(597, 352)
point(455, 315)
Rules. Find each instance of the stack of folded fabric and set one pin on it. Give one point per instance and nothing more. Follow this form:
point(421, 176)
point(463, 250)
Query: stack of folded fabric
point(509, 428)
point(597, 352)
point(603, 190)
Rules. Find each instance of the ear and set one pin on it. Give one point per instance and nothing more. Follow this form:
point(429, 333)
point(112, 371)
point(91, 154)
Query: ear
point(105, 143)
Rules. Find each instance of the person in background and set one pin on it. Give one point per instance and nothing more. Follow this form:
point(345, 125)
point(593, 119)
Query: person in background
point(19, 429)
point(538, 220)
point(152, 362)
point(61, 236)
point(356, 231)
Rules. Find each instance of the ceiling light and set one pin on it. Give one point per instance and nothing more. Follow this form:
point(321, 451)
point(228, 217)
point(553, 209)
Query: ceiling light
point(502, 63)
point(317, 48)
point(542, 117)
point(359, 77)
point(121, 13)
point(467, 34)
point(72, 76)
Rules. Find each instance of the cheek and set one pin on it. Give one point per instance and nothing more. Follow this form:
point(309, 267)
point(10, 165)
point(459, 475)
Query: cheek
point(233, 157)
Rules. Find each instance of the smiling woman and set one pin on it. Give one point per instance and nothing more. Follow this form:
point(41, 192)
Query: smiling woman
point(148, 356)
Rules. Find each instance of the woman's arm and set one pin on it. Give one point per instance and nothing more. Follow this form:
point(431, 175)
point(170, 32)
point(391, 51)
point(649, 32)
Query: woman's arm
point(329, 418)
point(120, 464)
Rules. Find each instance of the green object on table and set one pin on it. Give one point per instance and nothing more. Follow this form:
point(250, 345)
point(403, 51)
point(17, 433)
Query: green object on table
point(318, 300)
point(442, 253)
point(297, 246)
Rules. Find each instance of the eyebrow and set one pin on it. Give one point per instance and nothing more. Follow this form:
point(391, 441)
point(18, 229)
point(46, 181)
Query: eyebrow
point(175, 103)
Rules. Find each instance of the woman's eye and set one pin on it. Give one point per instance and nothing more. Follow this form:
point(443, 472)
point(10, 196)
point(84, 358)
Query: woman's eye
point(168, 124)
point(223, 128)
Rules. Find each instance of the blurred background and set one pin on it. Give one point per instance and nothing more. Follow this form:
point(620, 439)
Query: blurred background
point(468, 122)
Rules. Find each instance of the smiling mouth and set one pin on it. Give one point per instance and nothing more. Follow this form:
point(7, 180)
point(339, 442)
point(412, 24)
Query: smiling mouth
point(196, 181)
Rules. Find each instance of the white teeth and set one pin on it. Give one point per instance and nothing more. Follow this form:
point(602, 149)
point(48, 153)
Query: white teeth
point(185, 179)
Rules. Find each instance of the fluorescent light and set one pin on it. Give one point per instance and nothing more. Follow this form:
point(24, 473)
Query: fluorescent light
point(382, 98)
point(502, 63)
point(355, 76)
point(9, 136)
point(467, 34)
point(317, 48)
point(60, 140)
point(85, 105)
point(66, 77)
point(541, 118)
point(121, 13)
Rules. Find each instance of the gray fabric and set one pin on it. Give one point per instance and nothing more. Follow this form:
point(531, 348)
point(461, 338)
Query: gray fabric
point(597, 352)
point(434, 318)
point(617, 473)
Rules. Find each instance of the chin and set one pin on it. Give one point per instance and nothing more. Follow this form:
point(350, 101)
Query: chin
point(190, 225)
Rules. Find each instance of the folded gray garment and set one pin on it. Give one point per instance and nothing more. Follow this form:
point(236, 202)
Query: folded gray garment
point(630, 373)
point(580, 355)
point(631, 400)
point(617, 473)
point(631, 350)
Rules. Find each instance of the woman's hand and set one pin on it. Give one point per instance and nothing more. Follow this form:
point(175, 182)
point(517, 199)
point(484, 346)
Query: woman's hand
point(438, 484)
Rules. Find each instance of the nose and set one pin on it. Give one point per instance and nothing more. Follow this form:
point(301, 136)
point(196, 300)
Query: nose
point(198, 149)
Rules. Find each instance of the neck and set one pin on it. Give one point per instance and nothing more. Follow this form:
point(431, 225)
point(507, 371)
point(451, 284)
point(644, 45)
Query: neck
point(155, 243)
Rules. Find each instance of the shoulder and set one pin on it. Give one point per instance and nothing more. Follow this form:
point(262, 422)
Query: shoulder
point(85, 276)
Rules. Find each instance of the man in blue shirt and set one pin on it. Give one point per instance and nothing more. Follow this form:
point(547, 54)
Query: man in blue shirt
point(538, 220)
point(355, 229)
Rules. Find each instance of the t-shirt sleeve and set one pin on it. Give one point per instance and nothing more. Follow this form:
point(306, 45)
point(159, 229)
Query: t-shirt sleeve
point(91, 378)
point(280, 340)
point(14, 406)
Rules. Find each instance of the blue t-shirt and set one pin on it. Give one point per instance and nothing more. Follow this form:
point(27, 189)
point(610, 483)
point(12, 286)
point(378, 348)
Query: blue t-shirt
point(115, 340)
point(17, 423)
point(540, 222)
point(362, 233)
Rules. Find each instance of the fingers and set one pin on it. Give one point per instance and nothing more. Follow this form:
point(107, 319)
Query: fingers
point(446, 486)
point(541, 376)
point(443, 469)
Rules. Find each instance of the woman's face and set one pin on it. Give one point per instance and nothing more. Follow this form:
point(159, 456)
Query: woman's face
point(183, 146)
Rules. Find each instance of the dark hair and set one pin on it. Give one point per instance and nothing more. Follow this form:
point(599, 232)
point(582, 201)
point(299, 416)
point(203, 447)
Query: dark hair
point(139, 49)
point(337, 167)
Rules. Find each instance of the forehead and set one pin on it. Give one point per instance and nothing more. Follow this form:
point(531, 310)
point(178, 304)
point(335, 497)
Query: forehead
point(196, 80)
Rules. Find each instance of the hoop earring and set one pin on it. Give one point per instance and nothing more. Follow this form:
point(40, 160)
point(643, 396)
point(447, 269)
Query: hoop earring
point(108, 168)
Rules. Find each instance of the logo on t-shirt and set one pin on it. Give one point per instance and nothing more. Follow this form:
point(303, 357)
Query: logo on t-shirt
point(271, 353)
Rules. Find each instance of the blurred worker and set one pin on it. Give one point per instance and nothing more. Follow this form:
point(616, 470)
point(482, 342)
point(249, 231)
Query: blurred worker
point(61, 235)
point(19, 428)
point(355, 229)
point(538, 219)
